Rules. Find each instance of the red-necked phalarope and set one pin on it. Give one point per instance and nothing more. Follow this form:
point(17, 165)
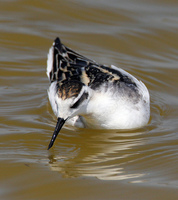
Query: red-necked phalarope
point(86, 94)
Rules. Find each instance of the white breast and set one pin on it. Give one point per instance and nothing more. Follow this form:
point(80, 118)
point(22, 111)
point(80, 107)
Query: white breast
point(106, 110)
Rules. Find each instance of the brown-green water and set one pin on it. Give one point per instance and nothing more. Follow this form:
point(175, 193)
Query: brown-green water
point(138, 36)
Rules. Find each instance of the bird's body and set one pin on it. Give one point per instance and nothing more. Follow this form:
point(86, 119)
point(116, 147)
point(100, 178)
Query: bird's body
point(86, 94)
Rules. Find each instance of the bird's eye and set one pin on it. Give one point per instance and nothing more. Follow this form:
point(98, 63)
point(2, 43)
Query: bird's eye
point(80, 100)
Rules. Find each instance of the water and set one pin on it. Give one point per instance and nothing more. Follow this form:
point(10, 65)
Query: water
point(138, 36)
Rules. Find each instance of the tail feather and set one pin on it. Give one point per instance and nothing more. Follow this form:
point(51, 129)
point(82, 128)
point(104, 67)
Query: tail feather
point(61, 59)
point(57, 57)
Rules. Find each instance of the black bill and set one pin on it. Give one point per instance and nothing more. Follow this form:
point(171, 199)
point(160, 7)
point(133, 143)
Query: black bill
point(60, 123)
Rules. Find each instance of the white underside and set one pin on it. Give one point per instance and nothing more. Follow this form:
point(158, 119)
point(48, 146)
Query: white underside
point(105, 110)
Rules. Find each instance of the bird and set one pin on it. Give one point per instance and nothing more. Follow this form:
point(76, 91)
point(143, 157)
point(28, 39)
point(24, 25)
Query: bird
point(86, 94)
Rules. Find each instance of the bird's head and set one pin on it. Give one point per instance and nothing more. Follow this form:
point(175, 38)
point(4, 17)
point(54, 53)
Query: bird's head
point(68, 99)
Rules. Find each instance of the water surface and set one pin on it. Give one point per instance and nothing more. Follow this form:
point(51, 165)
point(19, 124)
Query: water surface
point(138, 36)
